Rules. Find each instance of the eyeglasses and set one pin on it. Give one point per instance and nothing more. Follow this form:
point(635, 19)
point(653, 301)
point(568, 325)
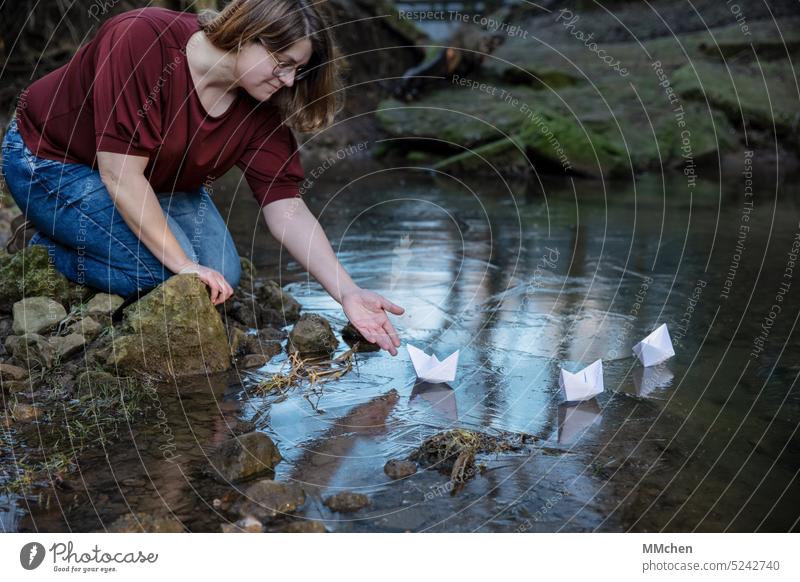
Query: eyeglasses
point(282, 69)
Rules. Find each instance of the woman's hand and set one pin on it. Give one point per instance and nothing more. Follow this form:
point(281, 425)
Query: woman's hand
point(220, 289)
point(365, 310)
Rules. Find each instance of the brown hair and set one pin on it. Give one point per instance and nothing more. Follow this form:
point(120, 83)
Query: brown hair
point(312, 102)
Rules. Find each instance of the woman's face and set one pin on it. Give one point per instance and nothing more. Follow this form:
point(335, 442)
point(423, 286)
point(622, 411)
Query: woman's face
point(254, 67)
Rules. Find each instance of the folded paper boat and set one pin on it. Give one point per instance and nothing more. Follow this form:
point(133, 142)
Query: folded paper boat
point(430, 369)
point(655, 348)
point(582, 385)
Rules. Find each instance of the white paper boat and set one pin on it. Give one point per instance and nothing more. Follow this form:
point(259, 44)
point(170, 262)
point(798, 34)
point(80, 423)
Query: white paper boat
point(582, 385)
point(655, 348)
point(430, 369)
point(575, 419)
point(648, 380)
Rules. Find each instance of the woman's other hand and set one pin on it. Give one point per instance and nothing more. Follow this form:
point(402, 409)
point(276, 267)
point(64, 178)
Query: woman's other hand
point(366, 310)
point(220, 289)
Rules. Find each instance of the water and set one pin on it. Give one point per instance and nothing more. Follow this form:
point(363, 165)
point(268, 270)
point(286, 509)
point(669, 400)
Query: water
point(522, 279)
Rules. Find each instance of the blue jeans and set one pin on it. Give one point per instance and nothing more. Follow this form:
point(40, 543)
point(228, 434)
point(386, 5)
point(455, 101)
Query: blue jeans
point(89, 241)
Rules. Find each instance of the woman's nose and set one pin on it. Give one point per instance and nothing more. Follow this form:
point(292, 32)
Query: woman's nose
point(288, 79)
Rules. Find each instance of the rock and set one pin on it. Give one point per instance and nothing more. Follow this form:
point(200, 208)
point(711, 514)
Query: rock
point(36, 315)
point(68, 346)
point(244, 457)
point(24, 412)
point(254, 360)
point(6, 326)
point(347, 502)
point(31, 349)
point(312, 335)
point(356, 341)
point(88, 327)
point(304, 526)
point(399, 469)
point(267, 499)
point(103, 303)
point(18, 386)
point(243, 344)
point(29, 273)
point(271, 296)
point(248, 273)
point(248, 524)
point(147, 523)
point(9, 372)
point(173, 331)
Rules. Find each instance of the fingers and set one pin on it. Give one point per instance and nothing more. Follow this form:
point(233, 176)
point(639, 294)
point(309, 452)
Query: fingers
point(392, 333)
point(385, 337)
point(391, 307)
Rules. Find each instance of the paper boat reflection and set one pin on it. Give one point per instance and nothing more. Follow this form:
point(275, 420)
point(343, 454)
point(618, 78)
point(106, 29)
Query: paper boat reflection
point(648, 380)
point(575, 419)
point(440, 396)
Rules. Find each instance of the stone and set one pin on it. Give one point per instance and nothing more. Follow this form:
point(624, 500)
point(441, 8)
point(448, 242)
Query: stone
point(247, 524)
point(10, 372)
point(244, 457)
point(36, 315)
point(347, 502)
point(31, 349)
point(267, 500)
point(68, 346)
point(312, 335)
point(254, 360)
point(356, 341)
point(23, 412)
point(145, 522)
point(88, 327)
point(399, 468)
point(273, 297)
point(173, 331)
point(29, 273)
point(243, 343)
point(18, 386)
point(103, 303)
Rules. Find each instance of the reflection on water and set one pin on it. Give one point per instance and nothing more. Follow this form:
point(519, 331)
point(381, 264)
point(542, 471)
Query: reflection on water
point(521, 281)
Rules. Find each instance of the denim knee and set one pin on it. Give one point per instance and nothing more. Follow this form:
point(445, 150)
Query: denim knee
point(232, 268)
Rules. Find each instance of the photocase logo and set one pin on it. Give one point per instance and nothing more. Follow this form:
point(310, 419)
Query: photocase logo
point(31, 555)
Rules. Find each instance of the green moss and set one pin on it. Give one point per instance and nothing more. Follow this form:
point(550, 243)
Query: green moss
point(30, 273)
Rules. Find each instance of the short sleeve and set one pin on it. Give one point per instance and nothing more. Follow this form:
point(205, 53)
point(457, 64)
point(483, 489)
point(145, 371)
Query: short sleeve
point(271, 164)
point(126, 94)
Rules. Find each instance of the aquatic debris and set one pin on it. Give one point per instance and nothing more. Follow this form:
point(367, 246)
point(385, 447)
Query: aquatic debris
point(315, 370)
point(453, 452)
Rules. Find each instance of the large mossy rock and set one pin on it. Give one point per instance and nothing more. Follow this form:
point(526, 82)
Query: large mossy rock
point(30, 273)
point(173, 331)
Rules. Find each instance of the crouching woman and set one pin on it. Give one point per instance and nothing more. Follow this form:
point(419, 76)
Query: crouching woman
point(110, 157)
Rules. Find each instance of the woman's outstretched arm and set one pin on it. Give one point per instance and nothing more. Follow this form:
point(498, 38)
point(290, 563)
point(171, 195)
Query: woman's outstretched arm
point(292, 224)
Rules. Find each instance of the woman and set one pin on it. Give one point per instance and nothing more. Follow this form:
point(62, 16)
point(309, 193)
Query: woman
point(111, 156)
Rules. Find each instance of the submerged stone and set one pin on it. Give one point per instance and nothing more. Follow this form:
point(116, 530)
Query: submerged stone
point(244, 457)
point(347, 502)
point(267, 499)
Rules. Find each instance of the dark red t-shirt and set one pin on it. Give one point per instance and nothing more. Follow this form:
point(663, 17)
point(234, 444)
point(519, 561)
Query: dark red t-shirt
point(129, 91)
